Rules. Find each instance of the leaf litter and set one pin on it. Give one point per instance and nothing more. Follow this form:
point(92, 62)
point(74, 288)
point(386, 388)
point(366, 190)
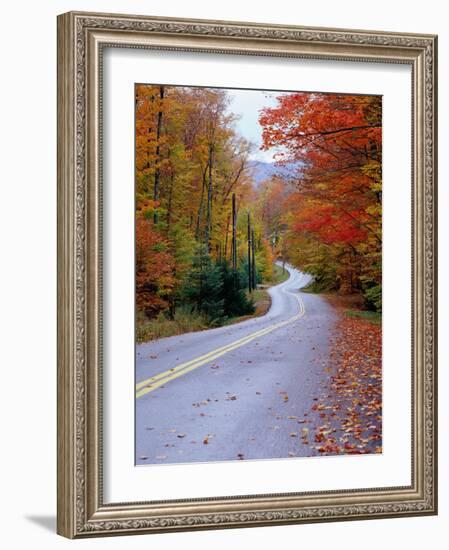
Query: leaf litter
point(346, 417)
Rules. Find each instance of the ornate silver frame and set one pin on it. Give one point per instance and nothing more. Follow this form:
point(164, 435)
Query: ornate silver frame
point(81, 511)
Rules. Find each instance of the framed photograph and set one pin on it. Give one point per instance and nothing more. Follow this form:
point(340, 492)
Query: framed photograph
point(246, 274)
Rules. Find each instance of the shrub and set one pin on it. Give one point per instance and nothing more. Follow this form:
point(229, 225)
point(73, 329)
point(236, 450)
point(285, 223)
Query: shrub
point(373, 297)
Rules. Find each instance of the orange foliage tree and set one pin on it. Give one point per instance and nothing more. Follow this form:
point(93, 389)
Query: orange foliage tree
point(154, 269)
point(189, 163)
point(334, 213)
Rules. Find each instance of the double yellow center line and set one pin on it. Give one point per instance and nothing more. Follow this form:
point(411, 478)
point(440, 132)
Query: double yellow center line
point(151, 384)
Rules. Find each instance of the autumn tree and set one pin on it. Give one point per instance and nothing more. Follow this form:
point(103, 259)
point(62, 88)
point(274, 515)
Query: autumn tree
point(336, 142)
point(154, 269)
point(189, 163)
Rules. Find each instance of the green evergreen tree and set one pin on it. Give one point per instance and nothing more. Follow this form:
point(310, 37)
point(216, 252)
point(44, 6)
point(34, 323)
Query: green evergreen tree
point(244, 269)
point(203, 287)
point(235, 301)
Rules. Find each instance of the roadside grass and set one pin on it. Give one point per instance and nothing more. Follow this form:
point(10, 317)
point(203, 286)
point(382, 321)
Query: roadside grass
point(352, 305)
point(260, 297)
point(372, 316)
point(279, 275)
point(185, 320)
point(262, 303)
point(162, 326)
point(315, 287)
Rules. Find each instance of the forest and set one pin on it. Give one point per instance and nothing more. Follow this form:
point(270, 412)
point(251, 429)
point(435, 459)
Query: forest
point(207, 234)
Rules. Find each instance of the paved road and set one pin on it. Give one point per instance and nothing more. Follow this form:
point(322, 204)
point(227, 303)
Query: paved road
point(234, 392)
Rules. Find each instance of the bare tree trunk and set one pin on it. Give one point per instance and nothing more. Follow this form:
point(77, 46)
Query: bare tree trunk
point(250, 277)
point(209, 202)
point(158, 152)
point(234, 234)
point(253, 259)
point(200, 208)
point(147, 177)
point(226, 237)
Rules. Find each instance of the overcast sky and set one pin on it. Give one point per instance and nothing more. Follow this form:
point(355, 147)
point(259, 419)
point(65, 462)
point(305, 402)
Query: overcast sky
point(247, 105)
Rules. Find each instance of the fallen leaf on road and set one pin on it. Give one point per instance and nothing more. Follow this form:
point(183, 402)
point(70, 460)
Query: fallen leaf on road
point(351, 396)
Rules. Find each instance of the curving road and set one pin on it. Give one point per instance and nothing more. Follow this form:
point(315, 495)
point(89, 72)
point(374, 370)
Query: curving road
point(234, 392)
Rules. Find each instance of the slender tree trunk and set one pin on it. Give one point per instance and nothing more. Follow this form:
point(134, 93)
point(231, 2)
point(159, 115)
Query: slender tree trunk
point(250, 277)
point(200, 208)
point(226, 237)
point(147, 177)
point(158, 152)
point(253, 260)
point(209, 201)
point(234, 234)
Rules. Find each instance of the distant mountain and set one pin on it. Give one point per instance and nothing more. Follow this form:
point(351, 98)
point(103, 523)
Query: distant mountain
point(262, 171)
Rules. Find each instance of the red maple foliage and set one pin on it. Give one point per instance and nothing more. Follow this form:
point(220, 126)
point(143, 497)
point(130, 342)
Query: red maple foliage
point(154, 269)
point(335, 141)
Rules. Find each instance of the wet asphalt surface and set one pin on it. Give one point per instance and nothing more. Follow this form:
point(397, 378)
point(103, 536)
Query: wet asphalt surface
point(246, 404)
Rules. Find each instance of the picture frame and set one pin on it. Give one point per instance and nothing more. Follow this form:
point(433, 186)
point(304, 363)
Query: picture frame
point(82, 40)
